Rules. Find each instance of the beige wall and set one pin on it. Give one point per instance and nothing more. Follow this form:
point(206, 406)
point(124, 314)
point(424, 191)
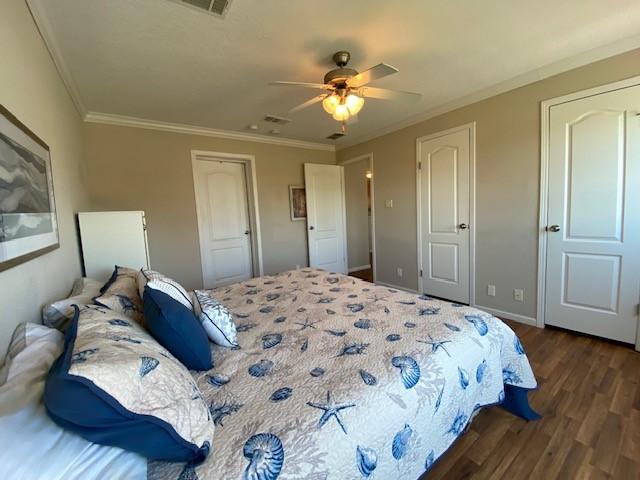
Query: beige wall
point(507, 182)
point(31, 89)
point(357, 208)
point(138, 169)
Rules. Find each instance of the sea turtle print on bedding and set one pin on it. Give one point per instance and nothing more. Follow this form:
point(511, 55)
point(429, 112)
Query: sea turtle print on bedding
point(336, 378)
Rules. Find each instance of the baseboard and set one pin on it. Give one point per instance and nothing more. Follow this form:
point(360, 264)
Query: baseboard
point(397, 287)
point(361, 267)
point(516, 317)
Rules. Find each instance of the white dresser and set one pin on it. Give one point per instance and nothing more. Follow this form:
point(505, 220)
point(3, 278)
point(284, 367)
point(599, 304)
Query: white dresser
point(112, 238)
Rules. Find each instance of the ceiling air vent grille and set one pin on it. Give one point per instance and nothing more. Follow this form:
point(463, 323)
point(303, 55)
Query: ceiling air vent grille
point(335, 136)
point(214, 7)
point(277, 119)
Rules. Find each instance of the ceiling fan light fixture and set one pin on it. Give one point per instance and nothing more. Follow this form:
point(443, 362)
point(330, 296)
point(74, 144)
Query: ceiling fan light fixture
point(354, 103)
point(330, 103)
point(341, 113)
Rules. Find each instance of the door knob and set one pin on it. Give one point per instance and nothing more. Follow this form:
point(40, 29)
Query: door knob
point(463, 226)
point(247, 232)
point(311, 227)
point(553, 228)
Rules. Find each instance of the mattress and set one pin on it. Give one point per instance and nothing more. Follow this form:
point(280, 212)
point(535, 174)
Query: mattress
point(337, 378)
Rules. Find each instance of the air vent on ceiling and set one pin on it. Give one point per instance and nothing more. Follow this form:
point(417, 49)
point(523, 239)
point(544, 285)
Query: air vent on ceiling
point(277, 119)
point(214, 7)
point(335, 136)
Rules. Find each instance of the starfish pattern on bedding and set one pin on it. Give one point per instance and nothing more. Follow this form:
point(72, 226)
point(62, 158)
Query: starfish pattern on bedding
point(306, 324)
point(331, 409)
point(435, 345)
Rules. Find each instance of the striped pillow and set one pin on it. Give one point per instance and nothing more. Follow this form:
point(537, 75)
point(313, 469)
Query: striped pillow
point(166, 285)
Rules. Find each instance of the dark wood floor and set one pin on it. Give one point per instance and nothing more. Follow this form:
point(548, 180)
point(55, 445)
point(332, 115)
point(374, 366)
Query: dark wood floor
point(366, 275)
point(590, 401)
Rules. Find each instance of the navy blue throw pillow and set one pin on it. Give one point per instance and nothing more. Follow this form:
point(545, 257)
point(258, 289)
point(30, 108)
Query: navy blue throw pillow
point(177, 329)
point(77, 404)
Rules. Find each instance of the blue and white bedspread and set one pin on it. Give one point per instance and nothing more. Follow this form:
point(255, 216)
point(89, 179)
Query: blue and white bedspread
point(336, 378)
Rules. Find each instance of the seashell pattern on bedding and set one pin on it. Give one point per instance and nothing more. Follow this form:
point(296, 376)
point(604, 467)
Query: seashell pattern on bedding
point(336, 378)
point(120, 358)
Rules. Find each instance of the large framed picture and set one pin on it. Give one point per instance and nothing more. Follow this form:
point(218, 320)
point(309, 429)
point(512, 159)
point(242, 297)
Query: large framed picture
point(298, 201)
point(28, 224)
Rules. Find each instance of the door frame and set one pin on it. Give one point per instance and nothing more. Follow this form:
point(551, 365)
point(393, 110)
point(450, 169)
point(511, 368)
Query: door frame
point(545, 110)
point(249, 162)
point(359, 158)
point(471, 127)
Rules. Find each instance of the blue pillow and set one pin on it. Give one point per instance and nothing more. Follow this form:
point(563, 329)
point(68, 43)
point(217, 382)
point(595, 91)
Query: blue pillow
point(78, 404)
point(177, 329)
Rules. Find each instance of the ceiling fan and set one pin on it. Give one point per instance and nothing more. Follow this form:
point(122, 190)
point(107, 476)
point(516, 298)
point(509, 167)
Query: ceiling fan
point(346, 89)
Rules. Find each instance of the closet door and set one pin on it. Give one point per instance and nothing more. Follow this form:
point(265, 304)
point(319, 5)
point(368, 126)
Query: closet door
point(444, 206)
point(326, 227)
point(224, 224)
point(593, 231)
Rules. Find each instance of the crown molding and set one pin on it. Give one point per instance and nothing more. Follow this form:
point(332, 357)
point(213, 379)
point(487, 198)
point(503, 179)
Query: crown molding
point(124, 121)
point(46, 32)
point(546, 71)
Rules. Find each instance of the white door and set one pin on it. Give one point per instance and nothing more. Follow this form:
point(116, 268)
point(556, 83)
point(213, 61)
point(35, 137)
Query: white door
point(593, 231)
point(223, 222)
point(326, 226)
point(444, 206)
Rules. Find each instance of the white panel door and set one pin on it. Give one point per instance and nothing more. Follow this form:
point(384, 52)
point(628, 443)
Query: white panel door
point(223, 221)
point(593, 239)
point(326, 226)
point(444, 205)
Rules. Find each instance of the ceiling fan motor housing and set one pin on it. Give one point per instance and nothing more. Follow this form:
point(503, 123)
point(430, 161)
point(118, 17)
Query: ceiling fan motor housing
point(339, 76)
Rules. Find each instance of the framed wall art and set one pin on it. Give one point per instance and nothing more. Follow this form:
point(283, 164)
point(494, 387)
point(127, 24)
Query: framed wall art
point(298, 202)
point(28, 224)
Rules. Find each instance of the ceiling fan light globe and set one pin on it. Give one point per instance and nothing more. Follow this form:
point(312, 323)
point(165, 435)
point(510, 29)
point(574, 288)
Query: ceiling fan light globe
point(354, 103)
point(330, 103)
point(341, 114)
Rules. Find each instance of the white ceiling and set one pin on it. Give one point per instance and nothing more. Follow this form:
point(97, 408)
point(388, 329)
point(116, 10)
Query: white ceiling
point(158, 60)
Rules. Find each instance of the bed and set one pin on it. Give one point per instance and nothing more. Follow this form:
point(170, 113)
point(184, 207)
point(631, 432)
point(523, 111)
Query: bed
point(337, 378)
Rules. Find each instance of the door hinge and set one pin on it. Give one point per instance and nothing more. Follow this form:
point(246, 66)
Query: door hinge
point(419, 165)
point(420, 272)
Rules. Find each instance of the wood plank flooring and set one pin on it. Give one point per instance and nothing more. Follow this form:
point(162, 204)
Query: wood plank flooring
point(366, 275)
point(589, 398)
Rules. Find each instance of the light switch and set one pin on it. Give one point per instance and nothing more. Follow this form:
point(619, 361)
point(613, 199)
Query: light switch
point(388, 203)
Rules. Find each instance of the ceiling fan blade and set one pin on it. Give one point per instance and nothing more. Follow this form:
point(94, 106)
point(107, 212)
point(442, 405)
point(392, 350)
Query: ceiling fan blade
point(321, 86)
point(374, 73)
point(385, 94)
point(308, 103)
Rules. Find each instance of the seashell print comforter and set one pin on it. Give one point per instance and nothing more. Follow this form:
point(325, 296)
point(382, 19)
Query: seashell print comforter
point(337, 378)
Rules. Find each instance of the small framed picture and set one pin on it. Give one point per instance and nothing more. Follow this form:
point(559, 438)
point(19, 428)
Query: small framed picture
point(298, 202)
point(28, 224)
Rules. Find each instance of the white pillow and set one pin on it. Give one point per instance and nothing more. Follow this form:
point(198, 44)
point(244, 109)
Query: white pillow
point(158, 281)
point(25, 427)
point(57, 314)
point(216, 319)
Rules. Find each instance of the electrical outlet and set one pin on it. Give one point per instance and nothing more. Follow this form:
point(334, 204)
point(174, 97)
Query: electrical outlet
point(388, 203)
point(491, 290)
point(518, 295)
point(399, 272)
